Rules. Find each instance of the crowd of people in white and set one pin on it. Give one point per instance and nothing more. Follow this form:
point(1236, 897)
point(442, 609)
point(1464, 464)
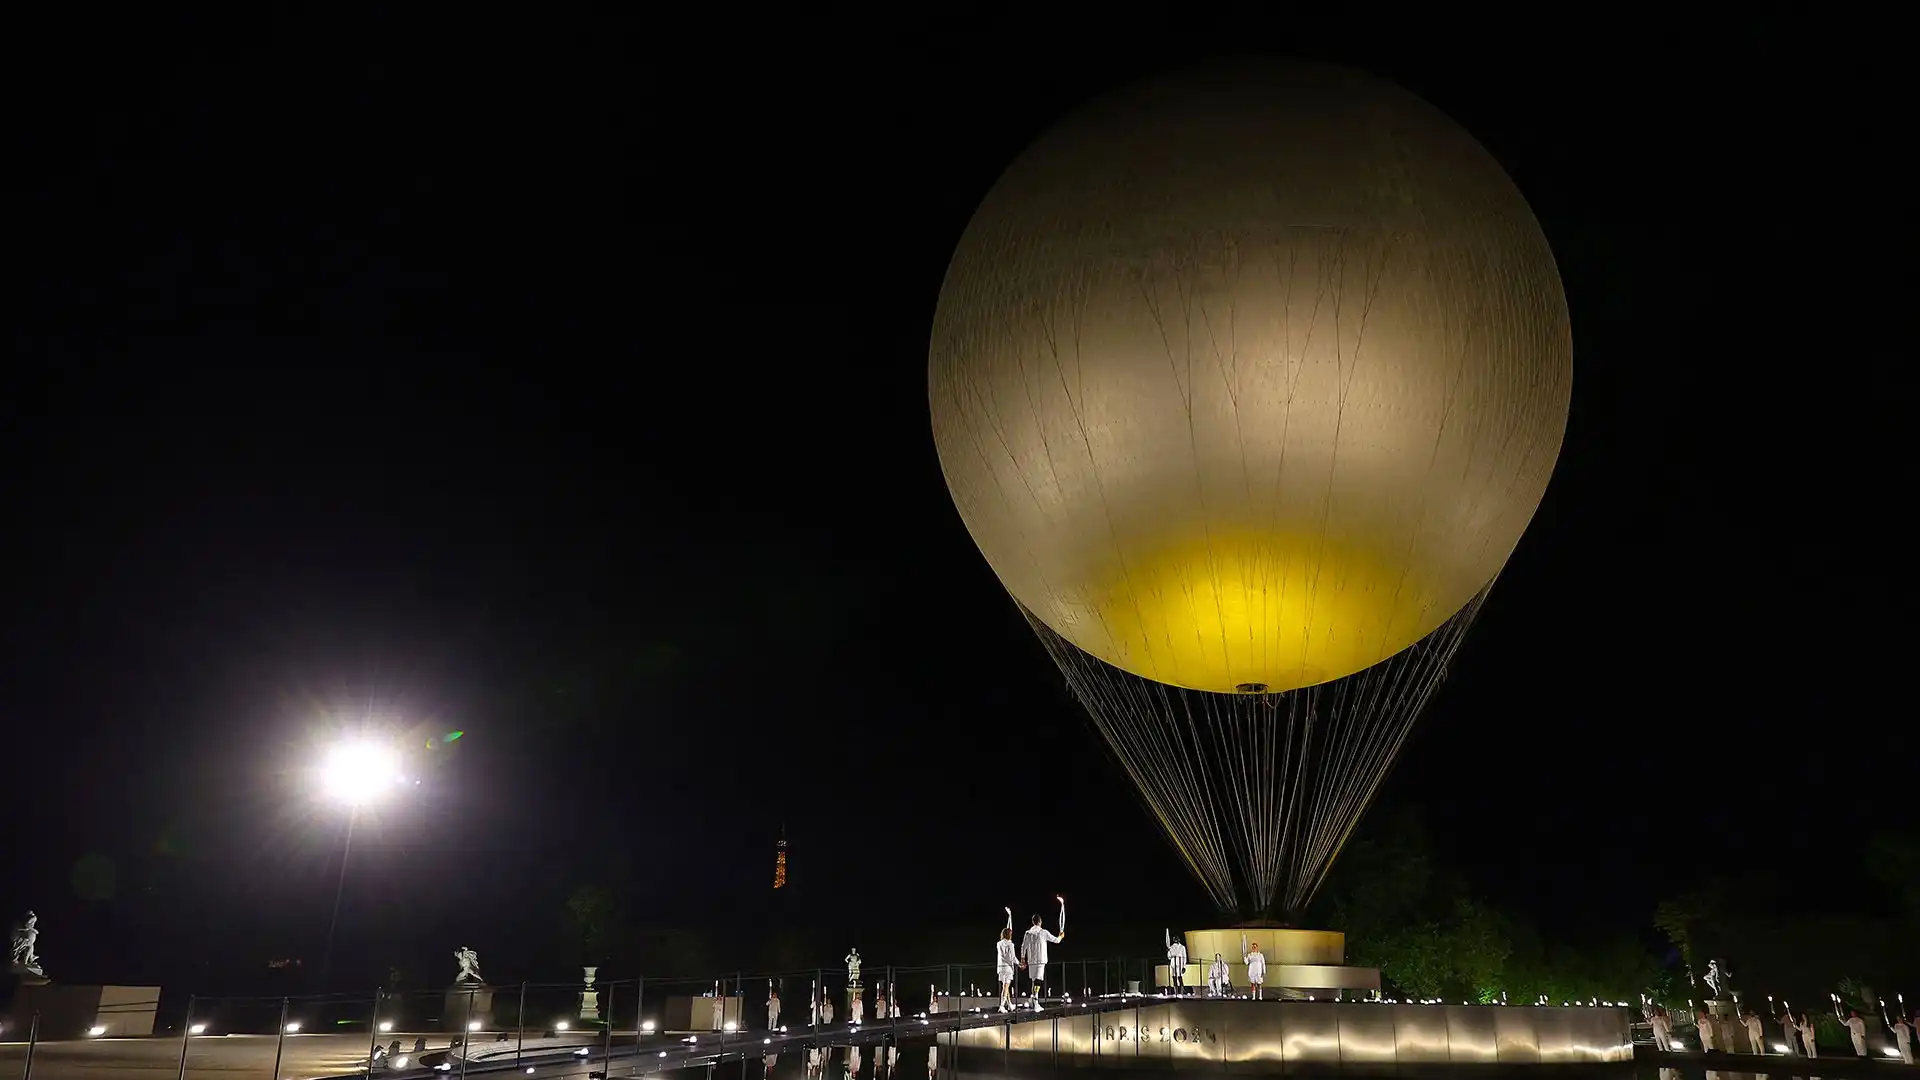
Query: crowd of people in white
point(1796, 1038)
point(1219, 982)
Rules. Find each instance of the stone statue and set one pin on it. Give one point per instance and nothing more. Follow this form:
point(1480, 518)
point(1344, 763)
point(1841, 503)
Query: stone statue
point(469, 962)
point(1717, 978)
point(853, 968)
point(25, 960)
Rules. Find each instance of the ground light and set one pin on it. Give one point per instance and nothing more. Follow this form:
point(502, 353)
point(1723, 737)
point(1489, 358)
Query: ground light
point(359, 772)
point(96, 1031)
point(197, 1029)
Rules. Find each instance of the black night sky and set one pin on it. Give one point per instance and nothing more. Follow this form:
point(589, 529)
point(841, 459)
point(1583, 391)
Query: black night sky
point(564, 384)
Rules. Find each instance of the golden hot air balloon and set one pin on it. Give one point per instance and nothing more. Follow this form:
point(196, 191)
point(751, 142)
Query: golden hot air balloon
point(1249, 380)
point(1245, 381)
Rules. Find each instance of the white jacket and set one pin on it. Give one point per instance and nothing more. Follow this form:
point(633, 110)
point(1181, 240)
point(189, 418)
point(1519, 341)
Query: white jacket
point(1003, 955)
point(1033, 947)
point(1256, 962)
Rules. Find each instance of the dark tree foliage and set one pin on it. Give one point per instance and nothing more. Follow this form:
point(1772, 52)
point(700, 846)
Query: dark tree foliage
point(1419, 922)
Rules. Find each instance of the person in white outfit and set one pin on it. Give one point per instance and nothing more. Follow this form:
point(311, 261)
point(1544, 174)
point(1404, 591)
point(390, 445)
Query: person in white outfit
point(1217, 976)
point(1756, 1032)
point(1662, 1026)
point(1033, 949)
point(1256, 965)
point(856, 1009)
point(1176, 962)
point(1857, 1030)
point(1903, 1038)
point(1806, 1035)
point(1005, 960)
point(826, 1008)
point(1790, 1033)
point(773, 1009)
point(719, 1009)
point(1703, 1024)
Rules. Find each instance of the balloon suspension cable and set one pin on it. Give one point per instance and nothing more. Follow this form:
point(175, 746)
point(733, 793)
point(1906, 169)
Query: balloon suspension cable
point(1259, 792)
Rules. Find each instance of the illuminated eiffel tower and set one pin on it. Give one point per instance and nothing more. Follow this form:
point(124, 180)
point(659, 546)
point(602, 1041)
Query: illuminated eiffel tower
point(780, 860)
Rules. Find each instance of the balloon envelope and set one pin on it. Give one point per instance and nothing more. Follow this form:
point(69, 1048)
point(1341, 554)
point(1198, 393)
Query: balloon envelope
point(1246, 380)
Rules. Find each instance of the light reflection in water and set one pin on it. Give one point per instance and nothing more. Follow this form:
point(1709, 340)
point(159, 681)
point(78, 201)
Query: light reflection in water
point(920, 1058)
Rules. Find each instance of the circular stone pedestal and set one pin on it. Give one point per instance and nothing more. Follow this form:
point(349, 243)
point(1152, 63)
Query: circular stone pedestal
point(1280, 945)
point(1310, 961)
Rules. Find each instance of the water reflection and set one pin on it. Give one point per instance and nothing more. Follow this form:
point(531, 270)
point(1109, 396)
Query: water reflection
point(1788, 1069)
point(918, 1059)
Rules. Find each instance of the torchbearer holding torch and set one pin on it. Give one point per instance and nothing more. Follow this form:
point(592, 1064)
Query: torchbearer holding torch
point(1005, 961)
point(1856, 1031)
point(1756, 1032)
point(1256, 965)
point(1176, 962)
point(1033, 949)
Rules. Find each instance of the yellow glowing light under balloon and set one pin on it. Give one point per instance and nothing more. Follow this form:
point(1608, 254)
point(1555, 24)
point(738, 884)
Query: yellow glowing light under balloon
point(1253, 612)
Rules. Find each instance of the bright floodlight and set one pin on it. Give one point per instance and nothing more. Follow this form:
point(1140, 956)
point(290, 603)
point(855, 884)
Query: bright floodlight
point(96, 1031)
point(197, 1029)
point(359, 773)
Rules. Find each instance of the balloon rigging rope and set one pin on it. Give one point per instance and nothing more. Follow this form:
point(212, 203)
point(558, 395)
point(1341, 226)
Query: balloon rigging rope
point(1259, 792)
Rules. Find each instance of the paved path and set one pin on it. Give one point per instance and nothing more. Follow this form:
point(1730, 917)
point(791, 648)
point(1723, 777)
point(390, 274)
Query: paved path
point(225, 1057)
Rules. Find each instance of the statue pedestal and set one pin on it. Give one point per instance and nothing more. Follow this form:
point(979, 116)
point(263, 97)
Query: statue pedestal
point(590, 998)
point(69, 1011)
point(466, 1003)
point(1726, 1010)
